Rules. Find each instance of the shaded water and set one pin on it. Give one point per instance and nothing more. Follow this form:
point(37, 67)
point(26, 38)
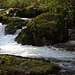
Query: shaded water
point(66, 59)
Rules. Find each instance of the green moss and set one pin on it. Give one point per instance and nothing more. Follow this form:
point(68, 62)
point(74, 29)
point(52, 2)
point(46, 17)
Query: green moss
point(45, 29)
point(14, 65)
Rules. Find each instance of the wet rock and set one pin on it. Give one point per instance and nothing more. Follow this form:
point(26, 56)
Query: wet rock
point(13, 65)
point(70, 46)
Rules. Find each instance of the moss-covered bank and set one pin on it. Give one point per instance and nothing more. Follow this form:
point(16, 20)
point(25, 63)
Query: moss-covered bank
point(12, 65)
point(45, 29)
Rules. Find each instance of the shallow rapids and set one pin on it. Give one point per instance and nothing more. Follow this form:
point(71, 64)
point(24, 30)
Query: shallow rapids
point(65, 59)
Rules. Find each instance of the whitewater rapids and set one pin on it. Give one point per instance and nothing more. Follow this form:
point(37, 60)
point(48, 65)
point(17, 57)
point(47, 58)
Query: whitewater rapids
point(65, 59)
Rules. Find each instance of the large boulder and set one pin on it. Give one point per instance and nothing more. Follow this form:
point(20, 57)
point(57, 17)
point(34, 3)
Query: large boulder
point(44, 29)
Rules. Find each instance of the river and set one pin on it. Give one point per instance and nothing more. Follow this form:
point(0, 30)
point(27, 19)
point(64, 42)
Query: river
point(65, 59)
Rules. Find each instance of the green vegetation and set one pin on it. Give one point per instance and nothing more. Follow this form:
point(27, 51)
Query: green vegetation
point(12, 65)
point(64, 7)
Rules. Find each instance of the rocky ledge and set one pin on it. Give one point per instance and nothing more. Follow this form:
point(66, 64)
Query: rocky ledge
point(13, 65)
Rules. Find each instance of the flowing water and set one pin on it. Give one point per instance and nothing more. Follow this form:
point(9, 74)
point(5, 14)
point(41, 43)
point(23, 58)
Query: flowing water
point(23, 18)
point(1, 9)
point(66, 59)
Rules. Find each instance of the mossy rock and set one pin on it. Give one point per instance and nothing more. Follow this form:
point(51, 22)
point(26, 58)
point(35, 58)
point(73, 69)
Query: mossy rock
point(44, 29)
point(11, 11)
point(13, 65)
point(12, 24)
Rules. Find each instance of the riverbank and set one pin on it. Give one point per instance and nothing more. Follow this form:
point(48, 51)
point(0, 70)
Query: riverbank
point(14, 65)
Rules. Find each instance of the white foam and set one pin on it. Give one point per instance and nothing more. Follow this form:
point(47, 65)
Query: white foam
point(24, 18)
point(1, 9)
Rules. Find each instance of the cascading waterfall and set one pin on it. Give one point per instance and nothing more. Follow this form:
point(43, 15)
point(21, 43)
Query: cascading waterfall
point(66, 59)
point(2, 29)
